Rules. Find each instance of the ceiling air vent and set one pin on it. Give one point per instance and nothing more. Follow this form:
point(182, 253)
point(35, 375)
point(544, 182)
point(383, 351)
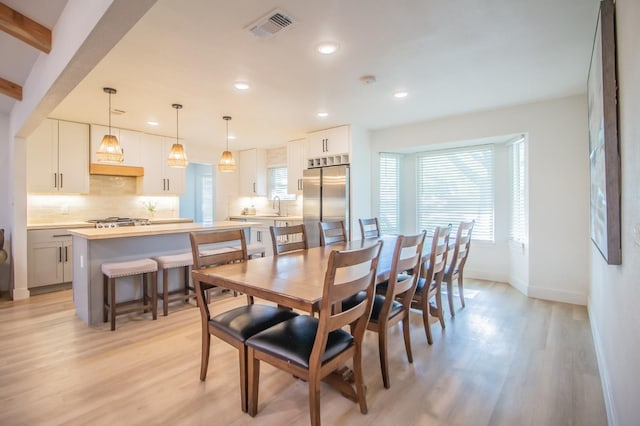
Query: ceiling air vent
point(270, 24)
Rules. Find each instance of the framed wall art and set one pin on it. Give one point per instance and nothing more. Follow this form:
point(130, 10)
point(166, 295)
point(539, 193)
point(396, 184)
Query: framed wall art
point(604, 152)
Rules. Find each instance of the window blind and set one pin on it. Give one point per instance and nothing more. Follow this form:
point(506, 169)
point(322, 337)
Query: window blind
point(517, 228)
point(457, 185)
point(389, 193)
point(278, 183)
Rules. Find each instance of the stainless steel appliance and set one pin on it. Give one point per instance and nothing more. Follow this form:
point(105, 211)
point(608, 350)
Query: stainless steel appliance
point(325, 198)
point(115, 222)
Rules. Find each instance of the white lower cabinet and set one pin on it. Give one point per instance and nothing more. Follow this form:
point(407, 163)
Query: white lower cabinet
point(50, 257)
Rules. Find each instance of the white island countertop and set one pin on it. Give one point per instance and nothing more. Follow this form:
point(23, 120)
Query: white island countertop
point(159, 229)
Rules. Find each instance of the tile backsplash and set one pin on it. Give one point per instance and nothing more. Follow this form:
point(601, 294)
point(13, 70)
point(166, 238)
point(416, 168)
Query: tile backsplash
point(109, 196)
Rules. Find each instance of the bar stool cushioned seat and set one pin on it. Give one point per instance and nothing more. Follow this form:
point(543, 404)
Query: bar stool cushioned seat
point(114, 270)
point(166, 262)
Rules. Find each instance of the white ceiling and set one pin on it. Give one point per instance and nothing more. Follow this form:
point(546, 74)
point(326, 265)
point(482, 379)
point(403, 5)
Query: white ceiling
point(452, 57)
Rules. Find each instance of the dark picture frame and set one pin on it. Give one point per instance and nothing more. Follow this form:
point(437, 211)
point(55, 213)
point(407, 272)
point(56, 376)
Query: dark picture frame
point(604, 151)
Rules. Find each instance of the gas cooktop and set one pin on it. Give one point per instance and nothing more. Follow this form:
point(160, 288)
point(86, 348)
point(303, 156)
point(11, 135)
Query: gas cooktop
point(115, 222)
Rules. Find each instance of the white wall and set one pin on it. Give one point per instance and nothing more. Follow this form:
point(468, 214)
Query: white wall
point(614, 302)
point(5, 200)
point(558, 189)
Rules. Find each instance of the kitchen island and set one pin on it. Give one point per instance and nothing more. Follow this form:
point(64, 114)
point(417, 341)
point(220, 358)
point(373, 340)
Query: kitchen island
point(94, 246)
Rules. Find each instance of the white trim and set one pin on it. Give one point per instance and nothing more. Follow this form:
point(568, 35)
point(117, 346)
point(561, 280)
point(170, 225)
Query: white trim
point(612, 418)
point(555, 295)
point(20, 293)
point(519, 285)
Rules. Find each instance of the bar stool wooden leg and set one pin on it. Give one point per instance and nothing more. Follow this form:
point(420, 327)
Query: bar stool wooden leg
point(154, 295)
point(112, 306)
point(105, 299)
point(165, 292)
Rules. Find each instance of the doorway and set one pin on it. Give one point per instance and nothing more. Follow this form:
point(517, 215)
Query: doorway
point(198, 200)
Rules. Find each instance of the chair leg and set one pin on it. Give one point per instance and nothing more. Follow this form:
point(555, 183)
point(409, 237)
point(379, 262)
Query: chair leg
point(384, 359)
point(425, 318)
point(359, 379)
point(165, 291)
point(242, 362)
point(253, 367)
point(407, 336)
point(186, 284)
point(460, 288)
point(204, 361)
point(439, 307)
point(314, 399)
point(112, 305)
point(450, 297)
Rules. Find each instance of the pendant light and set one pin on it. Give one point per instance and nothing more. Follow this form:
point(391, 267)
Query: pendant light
point(227, 163)
point(110, 150)
point(177, 156)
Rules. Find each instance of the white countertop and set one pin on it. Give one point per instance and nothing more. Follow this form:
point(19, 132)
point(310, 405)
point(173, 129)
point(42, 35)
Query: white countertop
point(71, 225)
point(267, 217)
point(159, 229)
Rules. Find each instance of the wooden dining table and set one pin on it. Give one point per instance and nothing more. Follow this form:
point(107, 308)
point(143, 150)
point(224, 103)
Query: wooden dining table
point(295, 279)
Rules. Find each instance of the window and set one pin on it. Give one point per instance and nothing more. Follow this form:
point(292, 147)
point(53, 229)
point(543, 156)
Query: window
point(389, 190)
point(517, 228)
point(207, 198)
point(278, 184)
point(457, 185)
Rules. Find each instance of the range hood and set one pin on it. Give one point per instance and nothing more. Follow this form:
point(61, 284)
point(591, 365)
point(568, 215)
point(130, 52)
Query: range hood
point(115, 170)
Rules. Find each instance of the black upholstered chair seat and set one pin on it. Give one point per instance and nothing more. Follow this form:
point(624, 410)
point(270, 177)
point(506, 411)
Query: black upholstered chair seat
point(293, 340)
point(421, 284)
point(378, 301)
point(245, 321)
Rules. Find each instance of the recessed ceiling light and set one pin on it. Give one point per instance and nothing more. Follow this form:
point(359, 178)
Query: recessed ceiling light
point(400, 94)
point(323, 114)
point(327, 47)
point(241, 85)
point(232, 137)
point(152, 123)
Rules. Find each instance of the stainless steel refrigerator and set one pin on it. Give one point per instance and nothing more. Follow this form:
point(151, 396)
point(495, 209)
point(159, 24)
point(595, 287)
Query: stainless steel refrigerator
point(325, 198)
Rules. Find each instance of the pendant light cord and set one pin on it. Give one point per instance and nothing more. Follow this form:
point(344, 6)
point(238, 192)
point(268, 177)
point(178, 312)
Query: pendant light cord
point(177, 124)
point(109, 114)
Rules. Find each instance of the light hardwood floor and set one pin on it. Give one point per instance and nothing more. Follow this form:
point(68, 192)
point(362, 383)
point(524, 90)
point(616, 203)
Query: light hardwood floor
point(504, 360)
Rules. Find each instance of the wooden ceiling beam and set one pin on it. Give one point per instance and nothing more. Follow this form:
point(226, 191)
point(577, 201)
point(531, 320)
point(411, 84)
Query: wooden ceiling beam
point(25, 29)
point(10, 89)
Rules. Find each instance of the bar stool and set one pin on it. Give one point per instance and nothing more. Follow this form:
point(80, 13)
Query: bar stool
point(113, 270)
point(166, 262)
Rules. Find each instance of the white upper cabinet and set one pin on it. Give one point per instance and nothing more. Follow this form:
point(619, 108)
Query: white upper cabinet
point(159, 178)
point(129, 140)
point(328, 147)
point(296, 163)
point(253, 172)
point(58, 158)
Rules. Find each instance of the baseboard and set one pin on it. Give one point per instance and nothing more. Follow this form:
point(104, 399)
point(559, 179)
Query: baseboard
point(602, 368)
point(519, 285)
point(484, 275)
point(21, 293)
point(557, 295)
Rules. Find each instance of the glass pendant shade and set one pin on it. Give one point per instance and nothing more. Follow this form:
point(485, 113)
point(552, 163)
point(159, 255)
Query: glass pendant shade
point(109, 150)
point(227, 164)
point(177, 156)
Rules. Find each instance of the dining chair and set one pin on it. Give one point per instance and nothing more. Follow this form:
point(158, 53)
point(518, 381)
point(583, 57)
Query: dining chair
point(369, 228)
point(430, 282)
point(455, 267)
point(288, 238)
point(238, 324)
point(332, 233)
point(312, 348)
point(393, 306)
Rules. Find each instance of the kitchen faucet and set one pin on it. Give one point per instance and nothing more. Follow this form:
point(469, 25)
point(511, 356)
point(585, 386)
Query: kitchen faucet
point(273, 207)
